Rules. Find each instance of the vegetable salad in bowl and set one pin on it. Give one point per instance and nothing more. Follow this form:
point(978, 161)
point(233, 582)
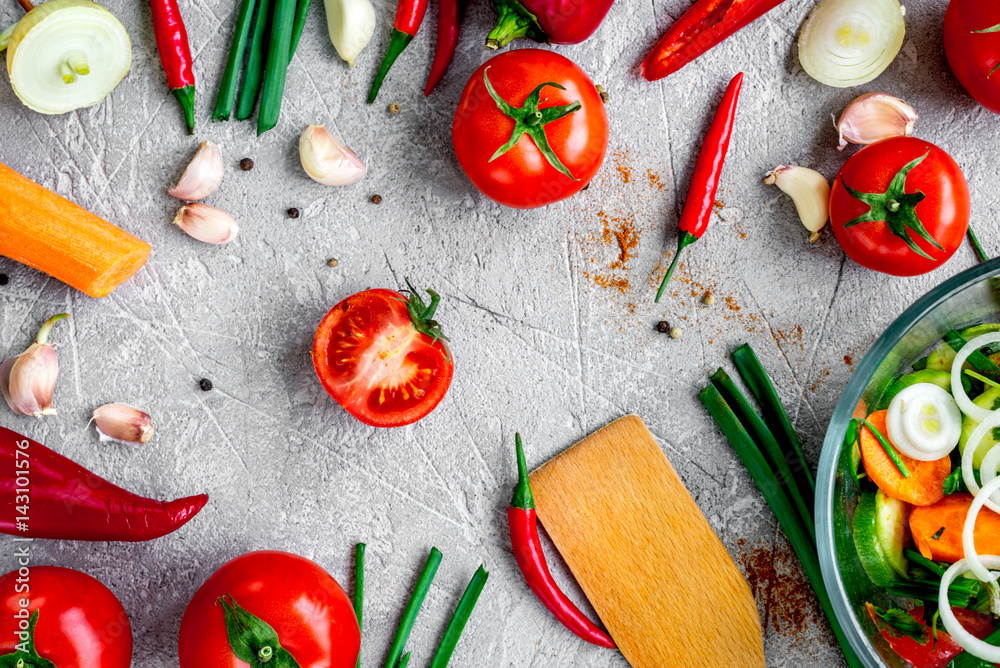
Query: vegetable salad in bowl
point(908, 497)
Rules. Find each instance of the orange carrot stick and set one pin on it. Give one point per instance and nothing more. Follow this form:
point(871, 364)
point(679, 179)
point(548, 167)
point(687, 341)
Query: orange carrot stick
point(949, 514)
point(45, 231)
point(926, 482)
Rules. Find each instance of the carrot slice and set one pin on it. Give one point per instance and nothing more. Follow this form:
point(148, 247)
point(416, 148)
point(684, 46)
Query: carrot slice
point(949, 514)
point(926, 482)
point(45, 231)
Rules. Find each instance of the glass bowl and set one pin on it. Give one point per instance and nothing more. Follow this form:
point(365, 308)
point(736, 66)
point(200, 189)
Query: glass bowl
point(968, 298)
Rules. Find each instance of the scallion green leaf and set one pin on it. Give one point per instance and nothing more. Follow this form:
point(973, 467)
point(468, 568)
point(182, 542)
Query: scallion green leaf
point(413, 608)
point(459, 619)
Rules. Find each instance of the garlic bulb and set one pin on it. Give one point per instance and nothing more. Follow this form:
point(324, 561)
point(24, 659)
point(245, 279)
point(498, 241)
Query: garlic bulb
point(29, 380)
point(351, 24)
point(206, 223)
point(809, 191)
point(873, 117)
point(119, 422)
point(326, 159)
point(202, 176)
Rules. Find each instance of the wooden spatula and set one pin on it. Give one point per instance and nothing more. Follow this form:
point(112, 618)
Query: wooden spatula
point(645, 556)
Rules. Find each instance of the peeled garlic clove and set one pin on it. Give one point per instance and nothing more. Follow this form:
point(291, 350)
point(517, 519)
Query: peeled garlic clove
point(809, 191)
point(206, 223)
point(326, 159)
point(351, 24)
point(119, 422)
point(203, 174)
point(873, 117)
point(5, 368)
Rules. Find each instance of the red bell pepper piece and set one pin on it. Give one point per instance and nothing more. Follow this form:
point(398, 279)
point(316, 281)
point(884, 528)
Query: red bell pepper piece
point(531, 560)
point(707, 172)
point(175, 54)
point(409, 16)
point(556, 21)
point(930, 654)
point(449, 17)
point(707, 23)
point(45, 495)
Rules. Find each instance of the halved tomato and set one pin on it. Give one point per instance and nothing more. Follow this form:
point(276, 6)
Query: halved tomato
point(382, 356)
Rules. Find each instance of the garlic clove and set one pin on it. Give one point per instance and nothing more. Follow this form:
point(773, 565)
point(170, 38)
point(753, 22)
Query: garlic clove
point(33, 380)
point(326, 159)
point(120, 422)
point(351, 24)
point(810, 192)
point(5, 368)
point(206, 223)
point(203, 174)
point(873, 117)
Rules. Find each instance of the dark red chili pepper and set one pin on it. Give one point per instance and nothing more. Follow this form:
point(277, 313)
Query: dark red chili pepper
point(707, 23)
point(556, 21)
point(447, 40)
point(707, 172)
point(45, 495)
point(175, 54)
point(531, 560)
point(409, 16)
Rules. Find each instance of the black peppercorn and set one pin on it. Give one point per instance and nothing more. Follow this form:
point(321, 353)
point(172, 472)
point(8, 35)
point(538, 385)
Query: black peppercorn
point(246, 164)
point(663, 327)
point(205, 384)
point(3, 279)
point(293, 213)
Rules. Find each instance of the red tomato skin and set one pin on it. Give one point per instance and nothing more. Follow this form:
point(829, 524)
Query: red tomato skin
point(944, 211)
point(313, 617)
point(522, 178)
point(81, 624)
point(973, 55)
point(373, 312)
point(931, 654)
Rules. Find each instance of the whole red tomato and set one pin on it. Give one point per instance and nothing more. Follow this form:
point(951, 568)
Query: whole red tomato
point(79, 623)
point(382, 357)
point(292, 606)
point(972, 44)
point(538, 136)
point(909, 210)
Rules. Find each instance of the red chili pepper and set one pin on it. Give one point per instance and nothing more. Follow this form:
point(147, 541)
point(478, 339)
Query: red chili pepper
point(175, 54)
point(556, 21)
point(409, 16)
point(45, 495)
point(707, 23)
point(707, 172)
point(531, 560)
point(447, 40)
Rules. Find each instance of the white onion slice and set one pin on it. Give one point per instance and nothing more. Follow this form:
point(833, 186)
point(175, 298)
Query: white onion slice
point(850, 42)
point(991, 463)
point(968, 474)
point(924, 422)
point(968, 532)
point(961, 398)
point(969, 642)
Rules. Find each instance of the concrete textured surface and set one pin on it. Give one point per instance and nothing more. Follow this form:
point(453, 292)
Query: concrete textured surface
point(550, 314)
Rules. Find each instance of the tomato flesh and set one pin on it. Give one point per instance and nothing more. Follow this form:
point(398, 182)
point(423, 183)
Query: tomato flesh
point(375, 364)
point(944, 211)
point(972, 55)
point(313, 617)
point(81, 623)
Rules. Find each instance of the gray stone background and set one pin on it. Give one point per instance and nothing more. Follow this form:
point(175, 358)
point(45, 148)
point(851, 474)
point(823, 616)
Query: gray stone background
point(551, 323)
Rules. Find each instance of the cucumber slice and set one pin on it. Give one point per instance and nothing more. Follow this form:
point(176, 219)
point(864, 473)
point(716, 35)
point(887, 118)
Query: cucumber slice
point(970, 333)
point(881, 530)
point(933, 376)
point(990, 400)
point(941, 358)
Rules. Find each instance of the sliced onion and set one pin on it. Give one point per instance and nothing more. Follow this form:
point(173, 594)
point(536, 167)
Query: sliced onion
point(924, 422)
point(991, 463)
point(961, 398)
point(968, 474)
point(968, 532)
point(969, 642)
point(850, 42)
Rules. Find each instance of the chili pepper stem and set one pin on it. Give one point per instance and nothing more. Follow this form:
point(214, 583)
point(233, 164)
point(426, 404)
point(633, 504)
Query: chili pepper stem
point(399, 41)
point(976, 246)
point(685, 240)
point(185, 96)
point(523, 498)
